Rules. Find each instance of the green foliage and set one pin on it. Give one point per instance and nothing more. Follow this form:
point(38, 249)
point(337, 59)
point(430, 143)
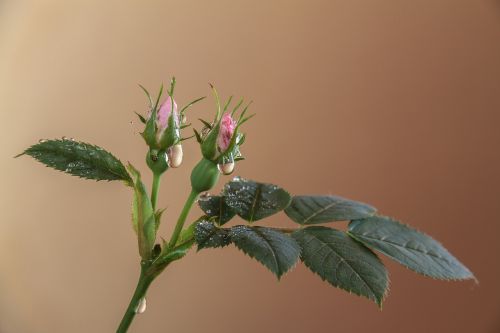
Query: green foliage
point(208, 235)
point(343, 262)
point(176, 253)
point(79, 159)
point(215, 208)
point(408, 247)
point(253, 201)
point(272, 248)
point(144, 218)
point(315, 209)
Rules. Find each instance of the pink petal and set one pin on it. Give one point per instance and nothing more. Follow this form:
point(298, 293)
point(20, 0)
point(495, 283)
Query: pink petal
point(227, 128)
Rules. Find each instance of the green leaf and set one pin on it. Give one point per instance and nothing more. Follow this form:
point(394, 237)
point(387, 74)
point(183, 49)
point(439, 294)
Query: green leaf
point(208, 235)
point(275, 250)
point(216, 209)
point(187, 234)
point(408, 247)
point(144, 218)
point(254, 201)
point(175, 254)
point(79, 159)
point(343, 262)
point(315, 209)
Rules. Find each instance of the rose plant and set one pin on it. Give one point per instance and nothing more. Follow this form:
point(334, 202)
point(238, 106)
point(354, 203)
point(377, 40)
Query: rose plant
point(346, 260)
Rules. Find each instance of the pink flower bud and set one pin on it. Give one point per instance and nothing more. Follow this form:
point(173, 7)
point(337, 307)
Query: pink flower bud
point(164, 113)
point(227, 127)
point(175, 156)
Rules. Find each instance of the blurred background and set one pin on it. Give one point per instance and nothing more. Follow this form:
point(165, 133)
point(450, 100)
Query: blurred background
point(394, 103)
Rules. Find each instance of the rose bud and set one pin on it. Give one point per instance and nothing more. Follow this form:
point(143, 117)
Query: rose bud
point(220, 143)
point(163, 131)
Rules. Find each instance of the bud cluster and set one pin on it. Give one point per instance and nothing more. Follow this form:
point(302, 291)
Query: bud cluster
point(220, 139)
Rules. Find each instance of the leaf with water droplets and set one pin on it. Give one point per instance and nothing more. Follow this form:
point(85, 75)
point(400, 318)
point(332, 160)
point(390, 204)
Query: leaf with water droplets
point(343, 262)
point(216, 209)
point(253, 201)
point(316, 209)
point(79, 159)
point(409, 247)
point(275, 250)
point(208, 235)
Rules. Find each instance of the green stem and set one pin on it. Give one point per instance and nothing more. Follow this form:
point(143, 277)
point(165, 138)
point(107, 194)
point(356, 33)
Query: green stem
point(140, 292)
point(182, 218)
point(154, 190)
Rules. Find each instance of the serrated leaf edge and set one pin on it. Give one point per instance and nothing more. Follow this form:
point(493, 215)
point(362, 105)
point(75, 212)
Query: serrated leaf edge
point(128, 181)
point(472, 277)
point(279, 276)
point(380, 301)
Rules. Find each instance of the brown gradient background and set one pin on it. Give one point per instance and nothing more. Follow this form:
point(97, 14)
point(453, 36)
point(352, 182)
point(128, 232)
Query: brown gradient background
point(395, 103)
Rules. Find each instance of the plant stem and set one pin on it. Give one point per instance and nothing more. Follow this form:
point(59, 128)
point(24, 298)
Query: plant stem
point(140, 292)
point(154, 190)
point(182, 218)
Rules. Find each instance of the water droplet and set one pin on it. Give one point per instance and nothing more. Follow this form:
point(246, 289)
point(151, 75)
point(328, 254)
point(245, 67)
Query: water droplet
point(226, 168)
point(205, 196)
point(42, 140)
point(141, 307)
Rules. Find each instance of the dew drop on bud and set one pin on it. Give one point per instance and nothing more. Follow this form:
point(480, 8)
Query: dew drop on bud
point(141, 307)
point(175, 156)
point(226, 168)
